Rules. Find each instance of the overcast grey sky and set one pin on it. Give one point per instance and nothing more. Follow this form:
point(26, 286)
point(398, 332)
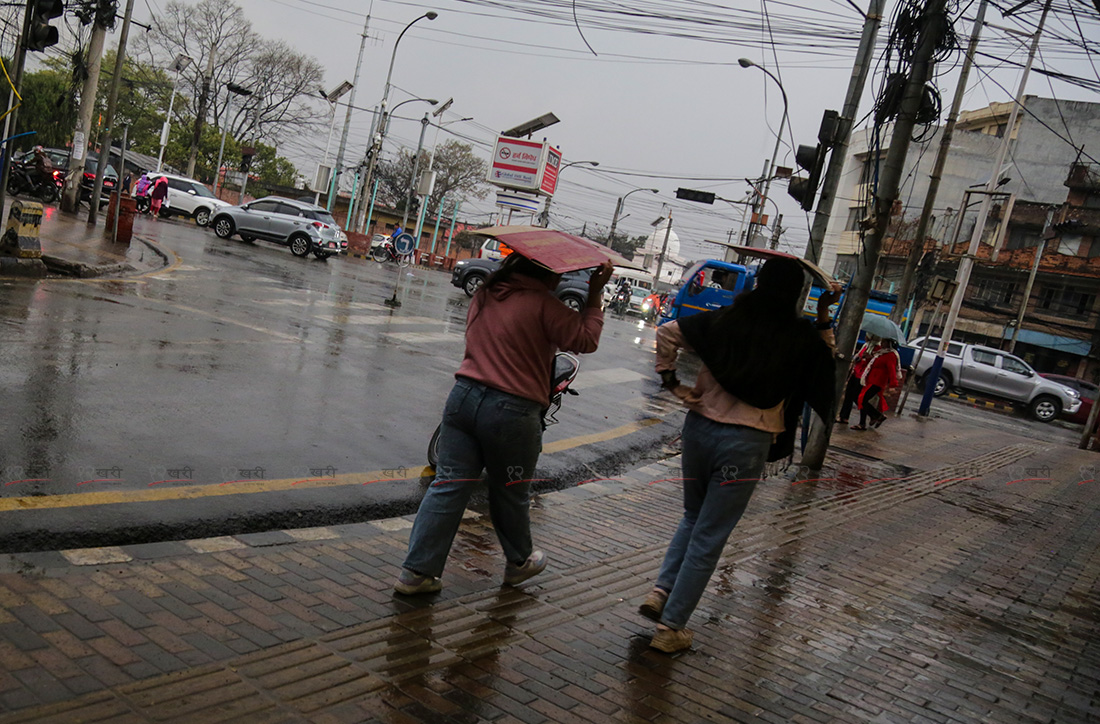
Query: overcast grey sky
point(662, 103)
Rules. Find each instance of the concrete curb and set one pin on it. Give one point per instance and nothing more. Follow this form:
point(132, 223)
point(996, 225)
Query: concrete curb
point(990, 404)
point(11, 266)
point(83, 271)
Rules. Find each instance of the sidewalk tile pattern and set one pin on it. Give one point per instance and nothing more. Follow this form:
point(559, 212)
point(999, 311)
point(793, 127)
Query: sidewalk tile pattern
point(948, 591)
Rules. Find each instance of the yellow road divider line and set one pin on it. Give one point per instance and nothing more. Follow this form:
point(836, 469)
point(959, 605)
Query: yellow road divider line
point(242, 487)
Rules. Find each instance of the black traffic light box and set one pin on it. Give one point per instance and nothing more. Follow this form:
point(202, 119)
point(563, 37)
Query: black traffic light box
point(247, 152)
point(40, 34)
point(702, 197)
point(812, 158)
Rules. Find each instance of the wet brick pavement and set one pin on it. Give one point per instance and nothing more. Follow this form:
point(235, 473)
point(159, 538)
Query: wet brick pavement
point(935, 573)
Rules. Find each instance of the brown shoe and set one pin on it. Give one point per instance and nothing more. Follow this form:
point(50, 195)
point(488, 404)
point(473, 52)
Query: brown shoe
point(670, 640)
point(653, 604)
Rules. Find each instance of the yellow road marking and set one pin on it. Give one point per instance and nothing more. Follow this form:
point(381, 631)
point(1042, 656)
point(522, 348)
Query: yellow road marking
point(241, 487)
point(621, 431)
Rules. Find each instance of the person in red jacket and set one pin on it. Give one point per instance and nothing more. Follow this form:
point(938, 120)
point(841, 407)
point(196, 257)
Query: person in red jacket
point(854, 386)
point(882, 372)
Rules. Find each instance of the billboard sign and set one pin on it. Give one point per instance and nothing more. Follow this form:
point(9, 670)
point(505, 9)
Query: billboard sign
point(550, 171)
point(516, 163)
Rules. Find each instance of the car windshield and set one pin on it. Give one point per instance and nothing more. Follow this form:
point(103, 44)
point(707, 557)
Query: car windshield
point(201, 190)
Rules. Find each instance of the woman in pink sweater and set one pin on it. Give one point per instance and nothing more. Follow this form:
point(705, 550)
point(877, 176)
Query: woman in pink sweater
point(492, 421)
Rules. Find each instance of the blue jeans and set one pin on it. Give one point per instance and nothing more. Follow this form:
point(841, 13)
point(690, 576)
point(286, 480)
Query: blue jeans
point(721, 465)
point(483, 429)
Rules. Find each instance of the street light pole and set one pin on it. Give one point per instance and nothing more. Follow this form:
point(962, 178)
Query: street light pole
point(755, 225)
point(544, 219)
point(618, 210)
point(376, 142)
point(182, 61)
point(234, 90)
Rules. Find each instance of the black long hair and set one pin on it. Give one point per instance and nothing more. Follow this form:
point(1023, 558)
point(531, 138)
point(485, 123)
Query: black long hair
point(755, 346)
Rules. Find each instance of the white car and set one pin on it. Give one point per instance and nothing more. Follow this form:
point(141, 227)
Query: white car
point(188, 197)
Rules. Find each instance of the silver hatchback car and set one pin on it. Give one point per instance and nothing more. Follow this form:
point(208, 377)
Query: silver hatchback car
point(302, 226)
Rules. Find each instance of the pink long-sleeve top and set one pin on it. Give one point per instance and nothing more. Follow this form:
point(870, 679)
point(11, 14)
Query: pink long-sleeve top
point(708, 397)
point(513, 331)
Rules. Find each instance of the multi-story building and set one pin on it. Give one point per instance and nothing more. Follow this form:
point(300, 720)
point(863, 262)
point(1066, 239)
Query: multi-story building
point(1047, 138)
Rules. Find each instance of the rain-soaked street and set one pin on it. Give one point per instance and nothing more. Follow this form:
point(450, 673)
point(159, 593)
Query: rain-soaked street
point(242, 388)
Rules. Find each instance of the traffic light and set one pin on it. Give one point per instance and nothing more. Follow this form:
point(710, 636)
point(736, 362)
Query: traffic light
point(40, 34)
point(702, 197)
point(246, 163)
point(812, 158)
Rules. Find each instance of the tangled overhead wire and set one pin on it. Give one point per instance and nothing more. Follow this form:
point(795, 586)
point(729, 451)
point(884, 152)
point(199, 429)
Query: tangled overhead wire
point(910, 18)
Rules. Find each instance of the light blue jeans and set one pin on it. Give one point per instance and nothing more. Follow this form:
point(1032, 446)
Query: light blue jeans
point(721, 465)
point(483, 429)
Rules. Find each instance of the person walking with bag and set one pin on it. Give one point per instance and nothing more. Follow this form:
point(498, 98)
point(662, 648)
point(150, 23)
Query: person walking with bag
point(761, 363)
point(493, 417)
point(881, 373)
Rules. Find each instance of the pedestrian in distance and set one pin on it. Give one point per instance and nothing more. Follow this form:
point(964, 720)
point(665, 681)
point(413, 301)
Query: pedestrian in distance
point(853, 386)
point(881, 373)
point(492, 420)
point(762, 361)
point(158, 195)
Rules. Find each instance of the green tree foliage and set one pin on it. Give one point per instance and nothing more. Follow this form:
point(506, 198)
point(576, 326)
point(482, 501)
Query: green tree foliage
point(48, 108)
point(622, 243)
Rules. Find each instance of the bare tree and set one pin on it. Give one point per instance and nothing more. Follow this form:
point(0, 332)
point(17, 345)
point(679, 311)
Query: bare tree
point(218, 37)
point(460, 175)
point(281, 81)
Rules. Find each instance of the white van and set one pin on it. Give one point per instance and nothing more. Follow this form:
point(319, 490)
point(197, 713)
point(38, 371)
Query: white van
point(188, 197)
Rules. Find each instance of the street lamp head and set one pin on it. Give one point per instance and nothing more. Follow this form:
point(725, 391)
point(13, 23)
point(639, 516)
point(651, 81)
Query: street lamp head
point(745, 63)
point(433, 101)
point(656, 191)
point(431, 15)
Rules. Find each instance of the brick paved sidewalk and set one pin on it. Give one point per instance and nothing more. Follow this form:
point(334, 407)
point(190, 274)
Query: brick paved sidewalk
point(950, 584)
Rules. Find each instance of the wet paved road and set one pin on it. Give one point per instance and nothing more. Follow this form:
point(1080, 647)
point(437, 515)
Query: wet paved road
point(164, 398)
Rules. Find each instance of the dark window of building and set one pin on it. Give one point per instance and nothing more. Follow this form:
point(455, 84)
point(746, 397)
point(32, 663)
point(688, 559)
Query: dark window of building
point(996, 292)
point(1001, 128)
point(855, 215)
point(1070, 301)
point(1021, 237)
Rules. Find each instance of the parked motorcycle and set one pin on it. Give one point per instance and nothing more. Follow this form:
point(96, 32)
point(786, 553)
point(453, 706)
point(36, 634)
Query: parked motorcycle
point(25, 182)
point(383, 251)
point(564, 372)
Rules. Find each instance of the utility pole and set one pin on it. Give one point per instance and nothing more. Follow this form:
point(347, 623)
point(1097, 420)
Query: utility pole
point(338, 167)
point(416, 167)
point(860, 70)
point(777, 230)
point(1031, 281)
point(664, 250)
point(200, 116)
point(905, 291)
point(9, 121)
point(933, 24)
point(966, 264)
point(70, 200)
point(109, 120)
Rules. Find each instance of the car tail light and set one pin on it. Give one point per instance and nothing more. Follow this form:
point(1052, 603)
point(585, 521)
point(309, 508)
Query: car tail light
point(319, 225)
point(57, 174)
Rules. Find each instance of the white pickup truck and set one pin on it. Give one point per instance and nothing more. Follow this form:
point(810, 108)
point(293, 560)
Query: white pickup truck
point(992, 372)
